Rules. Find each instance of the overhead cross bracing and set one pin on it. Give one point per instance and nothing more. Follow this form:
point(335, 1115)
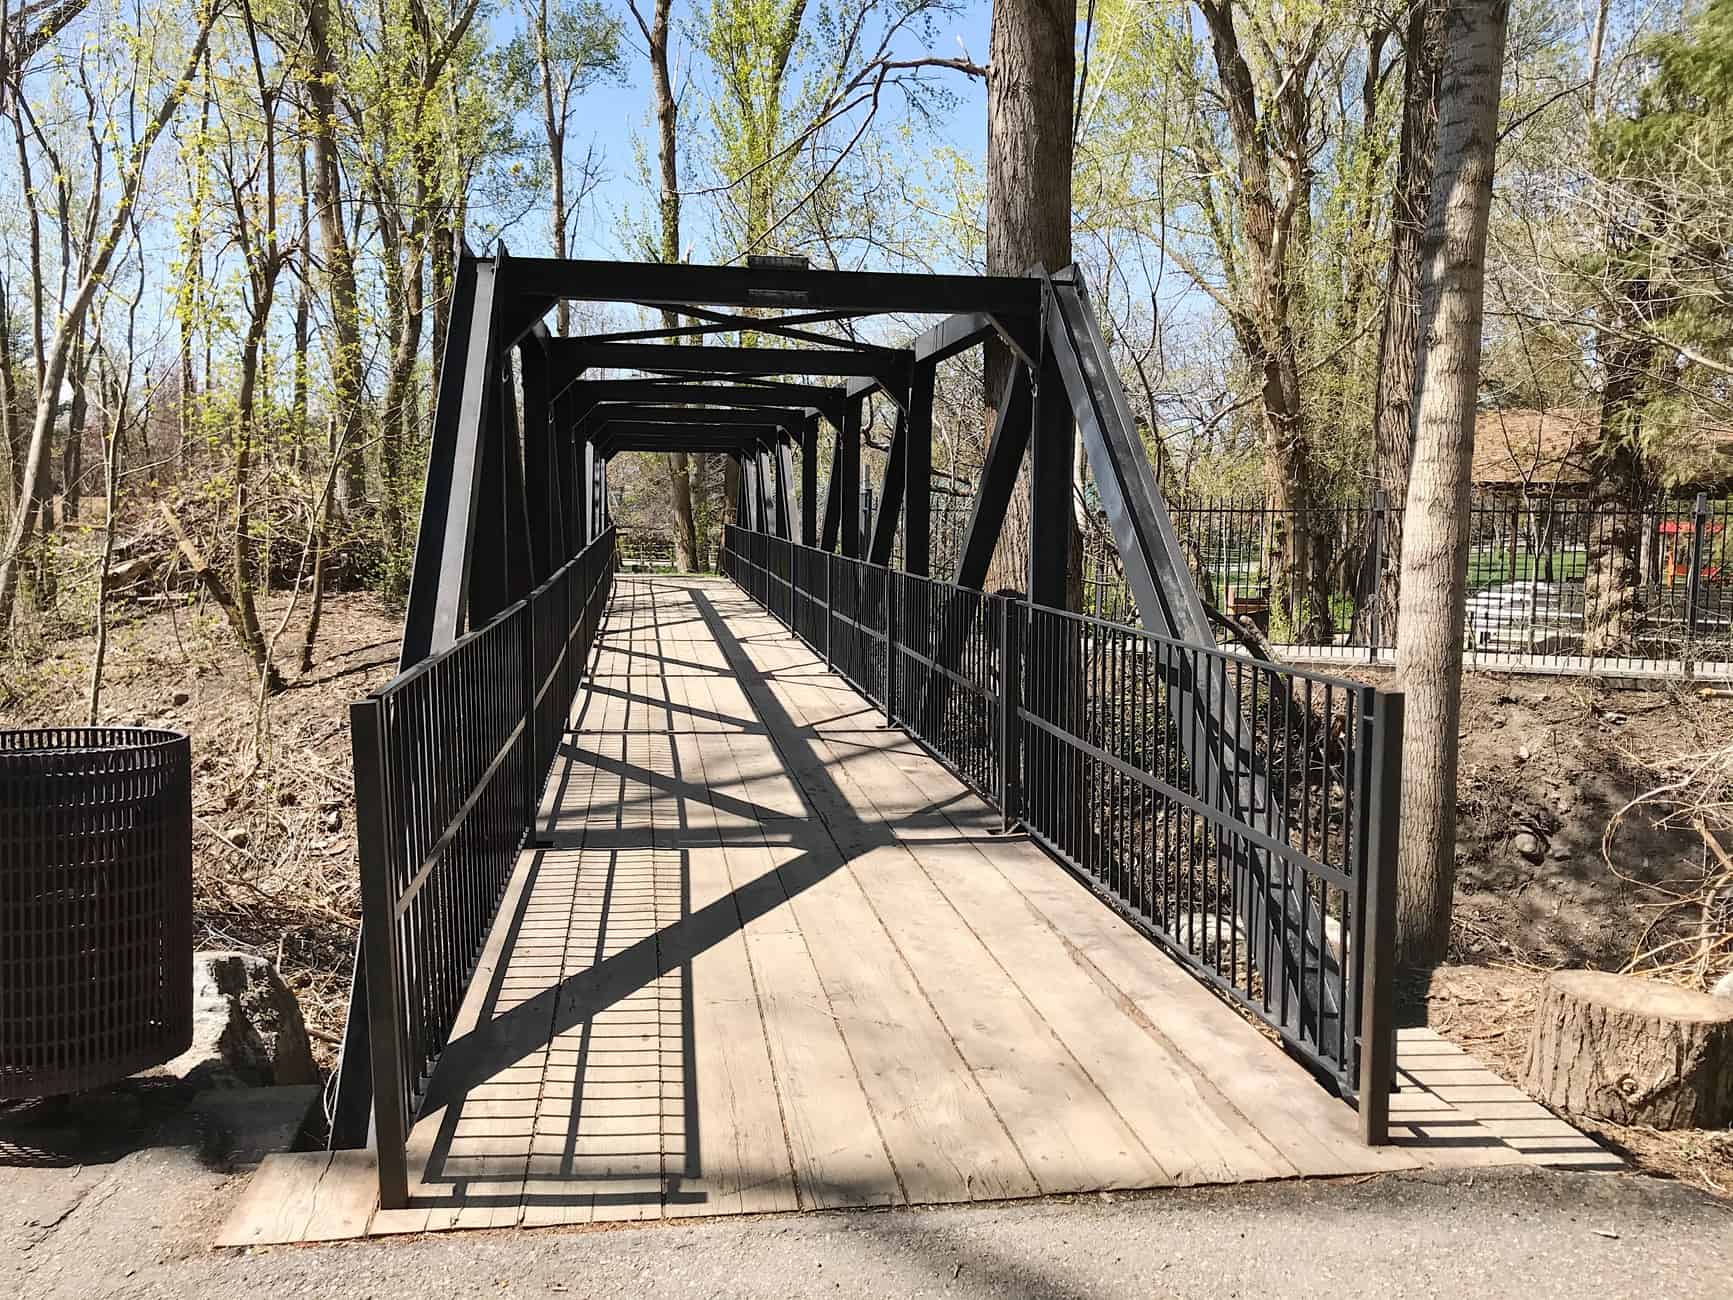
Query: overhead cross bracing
point(515, 529)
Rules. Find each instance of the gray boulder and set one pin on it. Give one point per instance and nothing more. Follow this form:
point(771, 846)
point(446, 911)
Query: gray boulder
point(247, 1027)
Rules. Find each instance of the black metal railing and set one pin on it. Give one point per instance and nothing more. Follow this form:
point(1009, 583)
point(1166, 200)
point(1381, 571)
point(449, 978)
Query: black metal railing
point(1555, 583)
point(450, 760)
point(1241, 814)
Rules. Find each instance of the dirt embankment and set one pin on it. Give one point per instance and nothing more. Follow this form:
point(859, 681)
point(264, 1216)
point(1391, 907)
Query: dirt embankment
point(273, 843)
point(1548, 764)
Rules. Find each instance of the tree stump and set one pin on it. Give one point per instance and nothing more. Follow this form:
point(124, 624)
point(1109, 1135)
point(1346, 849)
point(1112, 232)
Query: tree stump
point(1633, 1051)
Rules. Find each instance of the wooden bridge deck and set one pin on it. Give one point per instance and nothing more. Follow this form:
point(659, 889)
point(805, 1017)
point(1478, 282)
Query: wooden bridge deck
point(796, 968)
point(777, 958)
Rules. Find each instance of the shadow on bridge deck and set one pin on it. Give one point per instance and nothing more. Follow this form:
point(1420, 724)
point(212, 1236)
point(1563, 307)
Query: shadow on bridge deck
point(770, 956)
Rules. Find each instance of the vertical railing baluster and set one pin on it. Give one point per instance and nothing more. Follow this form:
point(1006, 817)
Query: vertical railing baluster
point(1378, 943)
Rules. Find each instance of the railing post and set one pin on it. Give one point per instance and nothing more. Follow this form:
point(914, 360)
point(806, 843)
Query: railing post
point(1378, 948)
point(1010, 700)
point(829, 565)
point(1374, 598)
point(379, 944)
point(531, 670)
point(890, 647)
point(1694, 583)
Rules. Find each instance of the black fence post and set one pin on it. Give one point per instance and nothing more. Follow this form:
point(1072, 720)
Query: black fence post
point(1374, 597)
point(531, 671)
point(379, 943)
point(890, 587)
point(1010, 701)
point(1378, 952)
point(1694, 583)
point(827, 562)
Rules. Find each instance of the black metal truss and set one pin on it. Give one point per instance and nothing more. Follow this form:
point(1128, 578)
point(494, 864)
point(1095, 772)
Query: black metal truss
point(517, 476)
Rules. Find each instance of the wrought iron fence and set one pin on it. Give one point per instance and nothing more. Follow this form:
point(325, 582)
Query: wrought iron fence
point(1241, 814)
point(450, 759)
point(1554, 583)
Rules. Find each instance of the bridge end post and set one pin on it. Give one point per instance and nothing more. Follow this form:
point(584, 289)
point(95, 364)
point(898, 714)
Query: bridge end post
point(1378, 959)
point(391, 1120)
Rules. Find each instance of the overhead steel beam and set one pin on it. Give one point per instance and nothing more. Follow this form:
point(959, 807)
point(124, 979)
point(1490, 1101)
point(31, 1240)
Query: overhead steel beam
point(659, 447)
point(644, 435)
point(584, 393)
point(666, 284)
point(954, 334)
point(704, 358)
point(605, 413)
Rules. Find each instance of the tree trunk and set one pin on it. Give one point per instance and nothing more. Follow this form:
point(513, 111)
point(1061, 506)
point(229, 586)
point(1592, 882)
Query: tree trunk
point(11, 427)
point(1033, 48)
point(1435, 540)
point(407, 288)
point(678, 463)
point(105, 566)
point(339, 259)
point(244, 567)
point(1398, 337)
point(1632, 1050)
point(298, 393)
point(1620, 485)
point(77, 418)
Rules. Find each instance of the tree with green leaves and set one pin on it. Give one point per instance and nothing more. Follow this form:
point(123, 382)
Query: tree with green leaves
point(110, 232)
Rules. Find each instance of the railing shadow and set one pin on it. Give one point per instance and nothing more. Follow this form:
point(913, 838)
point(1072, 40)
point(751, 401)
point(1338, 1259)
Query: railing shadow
point(577, 1081)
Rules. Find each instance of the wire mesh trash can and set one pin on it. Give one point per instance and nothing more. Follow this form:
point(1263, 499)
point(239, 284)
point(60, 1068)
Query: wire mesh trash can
point(96, 902)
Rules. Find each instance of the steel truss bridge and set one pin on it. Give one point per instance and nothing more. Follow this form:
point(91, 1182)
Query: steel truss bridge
point(1239, 815)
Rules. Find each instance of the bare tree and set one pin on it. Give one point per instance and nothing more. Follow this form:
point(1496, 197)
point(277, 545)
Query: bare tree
point(1030, 125)
point(678, 463)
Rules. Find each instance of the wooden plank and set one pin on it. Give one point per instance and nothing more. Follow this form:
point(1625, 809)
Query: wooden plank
point(1192, 1138)
point(1260, 1092)
point(278, 1202)
point(345, 1199)
point(938, 1126)
point(744, 1164)
point(837, 1153)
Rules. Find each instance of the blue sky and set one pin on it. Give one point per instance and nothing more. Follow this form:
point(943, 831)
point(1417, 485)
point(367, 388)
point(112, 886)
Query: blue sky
point(617, 117)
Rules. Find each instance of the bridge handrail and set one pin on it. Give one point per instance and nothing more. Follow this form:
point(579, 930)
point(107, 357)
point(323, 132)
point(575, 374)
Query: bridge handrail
point(450, 759)
point(1255, 901)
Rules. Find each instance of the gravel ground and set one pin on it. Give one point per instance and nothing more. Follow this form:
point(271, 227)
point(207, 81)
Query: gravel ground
point(1528, 1234)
